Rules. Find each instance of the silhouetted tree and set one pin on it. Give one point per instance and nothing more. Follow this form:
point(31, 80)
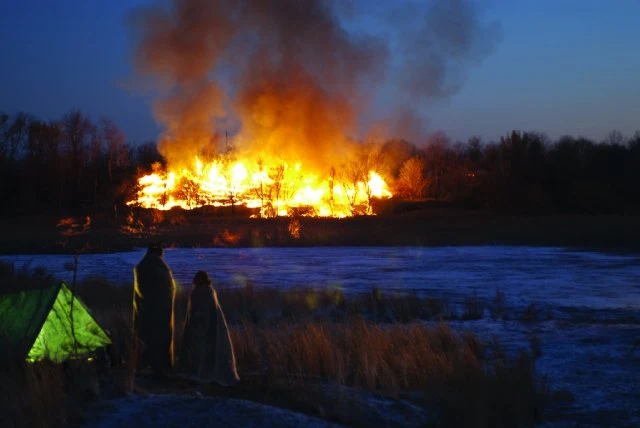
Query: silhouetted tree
point(412, 182)
point(436, 156)
point(79, 133)
point(69, 165)
point(117, 161)
point(189, 190)
point(17, 135)
point(393, 154)
point(615, 137)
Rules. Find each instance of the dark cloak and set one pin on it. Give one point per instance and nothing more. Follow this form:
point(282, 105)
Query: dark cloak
point(153, 298)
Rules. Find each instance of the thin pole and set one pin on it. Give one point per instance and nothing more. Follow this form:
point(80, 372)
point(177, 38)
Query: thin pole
point(73, 294)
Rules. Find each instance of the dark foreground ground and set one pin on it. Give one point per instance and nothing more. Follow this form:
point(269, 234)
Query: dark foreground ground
point(420, 227)
point(176, 402)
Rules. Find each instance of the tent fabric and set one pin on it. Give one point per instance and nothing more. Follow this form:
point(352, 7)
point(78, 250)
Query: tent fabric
point(48, 323)
point(22, 315)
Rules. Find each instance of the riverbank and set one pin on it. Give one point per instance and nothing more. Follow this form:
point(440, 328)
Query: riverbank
point(341, 359)
point(362, 358)
point(420, 227)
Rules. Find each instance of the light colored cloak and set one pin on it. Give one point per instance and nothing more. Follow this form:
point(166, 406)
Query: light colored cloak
point(207, 350)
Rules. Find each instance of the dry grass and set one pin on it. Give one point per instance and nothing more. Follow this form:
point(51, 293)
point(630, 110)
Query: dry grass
point(357, 353)
point(269, 305)
point(293, 344)
point(455, 376)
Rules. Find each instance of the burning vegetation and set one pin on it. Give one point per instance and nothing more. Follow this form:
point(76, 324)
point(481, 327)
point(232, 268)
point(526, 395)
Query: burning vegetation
point(283, 107)
point(277, 189)
point(292, 83)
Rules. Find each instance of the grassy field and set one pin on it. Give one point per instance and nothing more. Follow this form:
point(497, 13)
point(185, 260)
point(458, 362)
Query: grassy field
point(303, 350)
point(420, 227)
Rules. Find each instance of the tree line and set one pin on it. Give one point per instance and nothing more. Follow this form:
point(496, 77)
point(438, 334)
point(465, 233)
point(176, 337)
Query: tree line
point(526, 172)
point(76, 166)
point(70, 166)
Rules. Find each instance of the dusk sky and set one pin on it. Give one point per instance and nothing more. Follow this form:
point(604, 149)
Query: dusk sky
point(559, 67)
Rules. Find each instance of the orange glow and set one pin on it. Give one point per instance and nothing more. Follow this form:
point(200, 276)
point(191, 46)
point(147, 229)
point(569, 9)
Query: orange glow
point(274, 188)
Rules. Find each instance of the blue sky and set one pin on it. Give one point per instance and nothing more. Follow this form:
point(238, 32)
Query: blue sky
point(562, 67)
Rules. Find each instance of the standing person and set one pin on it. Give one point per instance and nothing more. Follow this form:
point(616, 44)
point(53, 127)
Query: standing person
point(207, 349)
point(153, 298)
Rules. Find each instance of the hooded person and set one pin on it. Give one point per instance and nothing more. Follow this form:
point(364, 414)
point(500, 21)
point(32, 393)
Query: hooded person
point(207, 350)
point(153, 300)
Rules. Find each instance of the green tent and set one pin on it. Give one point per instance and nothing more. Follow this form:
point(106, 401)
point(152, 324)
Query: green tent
point(47, 323)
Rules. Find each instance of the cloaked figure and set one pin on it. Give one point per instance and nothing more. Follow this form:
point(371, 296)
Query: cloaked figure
point(153, 300)
point(207, 350)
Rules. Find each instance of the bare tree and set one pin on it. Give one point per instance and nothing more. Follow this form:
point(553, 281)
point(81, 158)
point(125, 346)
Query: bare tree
point(332, 183)
point(276, 174)
point(354, 173)
point(371, 160)
point(78, 131)
point(615, 138)
point(117, 159)
point(354, 178)
point(412, 182)
point(261, 190)
point(4, 126)
point(14, 135)
point(393, 154)
point(189, 190)
point(436, 157)
point(95, 161)
point(117, 153)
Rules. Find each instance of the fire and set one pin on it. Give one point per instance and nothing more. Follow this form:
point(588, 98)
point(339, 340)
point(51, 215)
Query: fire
point(298, 89)
point(273, 189)
point(73, 226)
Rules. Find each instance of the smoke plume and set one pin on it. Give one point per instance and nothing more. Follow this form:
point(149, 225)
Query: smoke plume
point(294, 74)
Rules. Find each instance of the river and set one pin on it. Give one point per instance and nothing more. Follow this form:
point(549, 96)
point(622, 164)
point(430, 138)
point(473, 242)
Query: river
point(590, 301)
point(561, 278)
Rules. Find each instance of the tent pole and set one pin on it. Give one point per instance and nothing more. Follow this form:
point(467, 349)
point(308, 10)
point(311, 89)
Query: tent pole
point(73, 296)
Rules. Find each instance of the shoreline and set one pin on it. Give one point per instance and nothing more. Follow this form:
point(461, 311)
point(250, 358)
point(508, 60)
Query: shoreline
point(550, 340)
point(423, 228)
point(97, 251)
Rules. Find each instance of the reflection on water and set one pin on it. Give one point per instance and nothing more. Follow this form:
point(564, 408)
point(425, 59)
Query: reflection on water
point(554, 276)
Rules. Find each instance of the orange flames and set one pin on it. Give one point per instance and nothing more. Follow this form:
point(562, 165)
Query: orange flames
point(273, 189)
point(296, 84)
point(286, 79)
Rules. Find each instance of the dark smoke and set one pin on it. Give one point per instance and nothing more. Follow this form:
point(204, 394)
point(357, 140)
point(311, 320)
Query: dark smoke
point(448, 37)
point(437, 44)
point(292, 74)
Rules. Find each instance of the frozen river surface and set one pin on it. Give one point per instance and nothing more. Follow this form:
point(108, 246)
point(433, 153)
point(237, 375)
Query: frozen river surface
point(556, 277)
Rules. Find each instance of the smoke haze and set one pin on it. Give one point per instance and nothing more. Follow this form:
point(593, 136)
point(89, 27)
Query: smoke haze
point(294, 76)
